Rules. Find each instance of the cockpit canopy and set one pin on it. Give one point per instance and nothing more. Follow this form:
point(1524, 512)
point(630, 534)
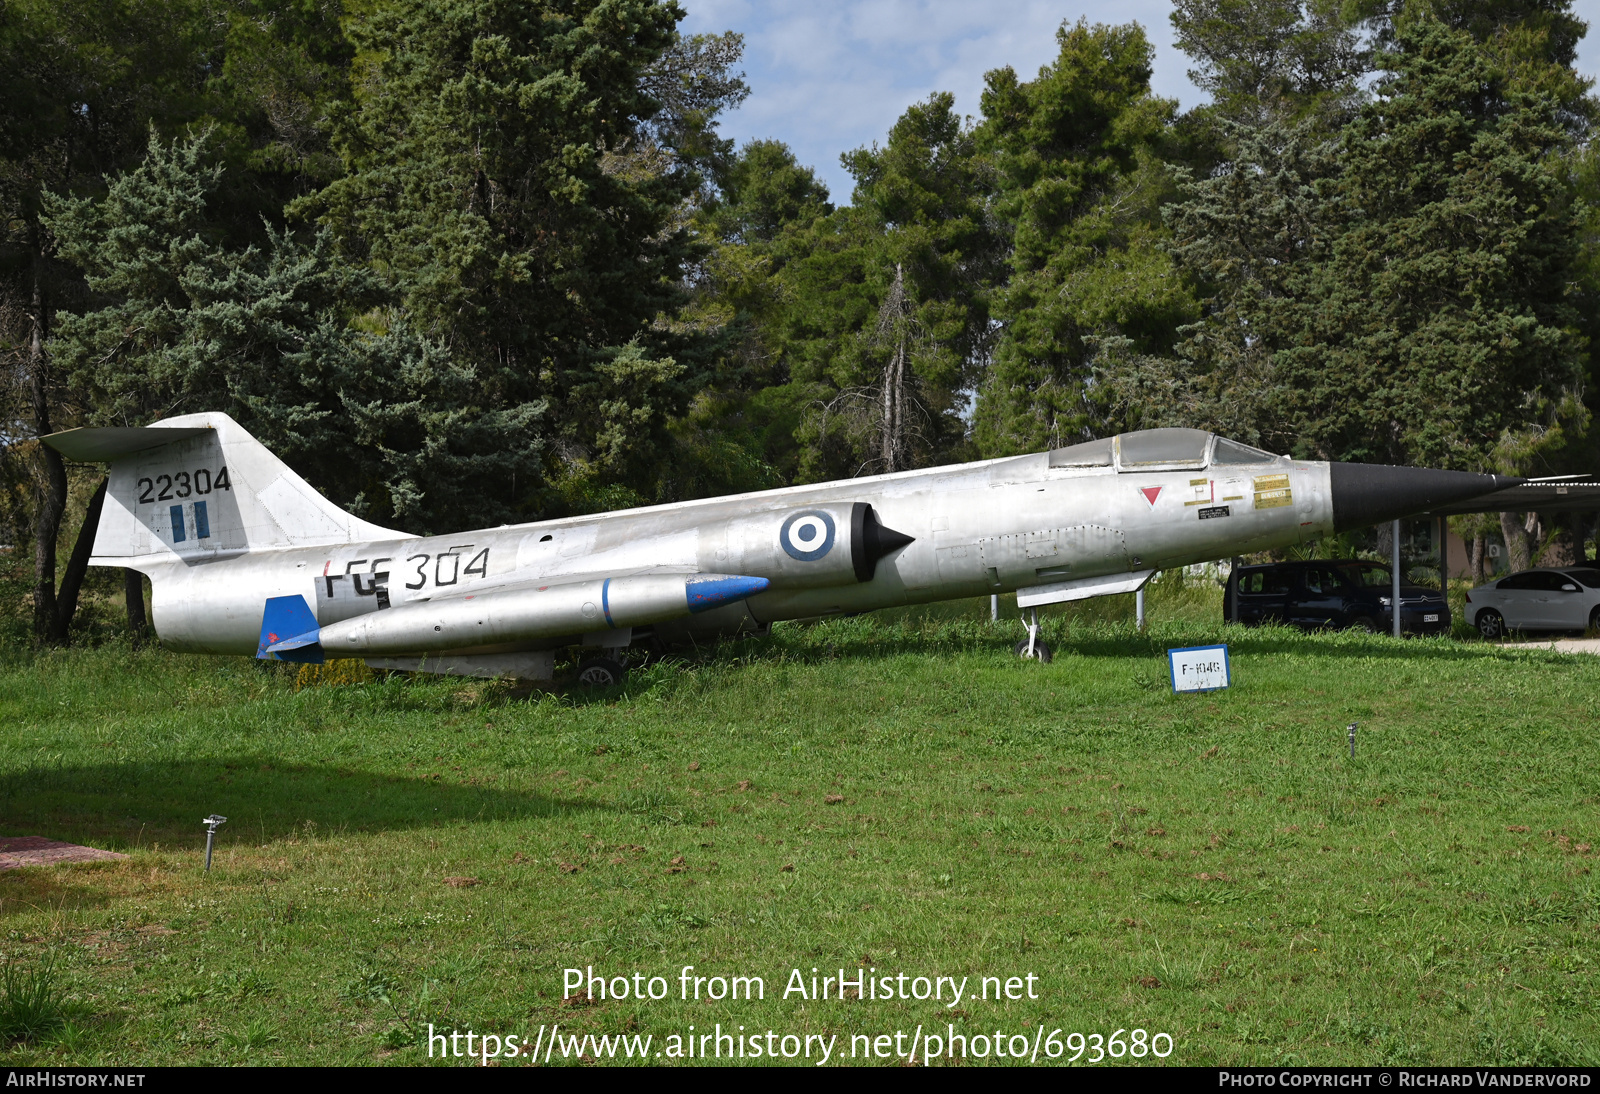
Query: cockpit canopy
point(1159, 450)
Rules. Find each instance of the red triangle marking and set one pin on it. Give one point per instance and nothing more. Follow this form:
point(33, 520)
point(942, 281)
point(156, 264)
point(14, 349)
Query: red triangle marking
point(1151, 493)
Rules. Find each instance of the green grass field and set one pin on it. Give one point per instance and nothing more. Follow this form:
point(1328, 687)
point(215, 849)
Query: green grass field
point(899, 793)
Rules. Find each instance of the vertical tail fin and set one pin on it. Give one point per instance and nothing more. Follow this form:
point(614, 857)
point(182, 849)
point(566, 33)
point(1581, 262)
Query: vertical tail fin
point(200, 485)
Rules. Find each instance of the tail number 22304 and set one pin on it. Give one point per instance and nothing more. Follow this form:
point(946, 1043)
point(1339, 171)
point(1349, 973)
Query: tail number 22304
point(183, 484)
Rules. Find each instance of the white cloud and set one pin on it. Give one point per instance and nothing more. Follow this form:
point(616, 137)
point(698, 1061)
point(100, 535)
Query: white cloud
point(827, 76)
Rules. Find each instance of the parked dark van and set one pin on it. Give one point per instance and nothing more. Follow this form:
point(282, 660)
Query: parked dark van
point(1332, 594)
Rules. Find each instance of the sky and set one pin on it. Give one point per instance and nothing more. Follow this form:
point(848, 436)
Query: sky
point(827, 76)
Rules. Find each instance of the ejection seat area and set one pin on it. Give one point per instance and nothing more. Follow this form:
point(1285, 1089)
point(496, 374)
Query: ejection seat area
point(1141, 452)
point(1159, 450)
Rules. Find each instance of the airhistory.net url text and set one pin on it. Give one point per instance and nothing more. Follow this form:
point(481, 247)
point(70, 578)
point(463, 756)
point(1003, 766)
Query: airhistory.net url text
point(918, 1046)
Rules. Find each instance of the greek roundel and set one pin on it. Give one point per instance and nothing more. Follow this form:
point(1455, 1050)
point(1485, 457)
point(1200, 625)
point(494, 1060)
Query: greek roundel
point(807, 535)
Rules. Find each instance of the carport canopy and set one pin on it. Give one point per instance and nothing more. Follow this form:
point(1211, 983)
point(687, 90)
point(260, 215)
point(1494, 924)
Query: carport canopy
point(1557, 494)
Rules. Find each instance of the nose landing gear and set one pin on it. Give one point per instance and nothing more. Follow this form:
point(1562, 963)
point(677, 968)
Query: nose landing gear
point(1032, 648)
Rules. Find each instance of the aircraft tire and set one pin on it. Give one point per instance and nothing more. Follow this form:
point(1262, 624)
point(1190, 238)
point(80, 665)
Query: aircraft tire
point(1491, 624)
point(1041, 652)
point(601, 672)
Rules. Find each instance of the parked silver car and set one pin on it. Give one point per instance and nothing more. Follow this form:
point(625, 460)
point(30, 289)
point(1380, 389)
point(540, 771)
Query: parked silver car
point(1537, 600)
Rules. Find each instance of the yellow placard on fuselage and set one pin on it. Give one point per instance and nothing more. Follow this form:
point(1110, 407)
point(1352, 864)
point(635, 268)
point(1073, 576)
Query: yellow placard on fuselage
point(1272, 491)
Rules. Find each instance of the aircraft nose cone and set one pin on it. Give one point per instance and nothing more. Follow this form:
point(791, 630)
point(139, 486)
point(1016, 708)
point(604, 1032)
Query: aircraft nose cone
point(1365, 494)
point(712, 590)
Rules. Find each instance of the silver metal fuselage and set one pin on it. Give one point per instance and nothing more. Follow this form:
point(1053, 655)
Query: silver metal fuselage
point(1024, 523)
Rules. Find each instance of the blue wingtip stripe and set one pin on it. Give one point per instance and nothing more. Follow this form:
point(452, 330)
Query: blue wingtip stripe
point(605, 602)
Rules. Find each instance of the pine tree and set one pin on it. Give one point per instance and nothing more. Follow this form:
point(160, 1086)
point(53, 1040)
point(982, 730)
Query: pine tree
point(500, 180)
point(1403, 294)
point(1439, 321)
point(739, 433)
point(1247, 233)
point(1532, 43)
point(378, 417)
point(1265, 61)
point(79, 82)
point(886, 321)
point(1081, 183)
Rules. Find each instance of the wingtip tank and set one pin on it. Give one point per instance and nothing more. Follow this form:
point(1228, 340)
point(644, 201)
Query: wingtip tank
point(528, 614)
point(714, 590)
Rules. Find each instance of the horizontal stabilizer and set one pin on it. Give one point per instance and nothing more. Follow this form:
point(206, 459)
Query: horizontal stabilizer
point(289, 631)
point(105, 443)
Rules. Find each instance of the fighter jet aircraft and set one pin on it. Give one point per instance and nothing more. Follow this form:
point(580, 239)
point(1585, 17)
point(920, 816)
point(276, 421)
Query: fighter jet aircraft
point(245, 557)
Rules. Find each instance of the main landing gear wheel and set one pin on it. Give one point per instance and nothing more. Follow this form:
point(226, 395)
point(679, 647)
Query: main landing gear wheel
point(1491, 624)
point(1031, 648)
point(1041, 652)
point(601, 672)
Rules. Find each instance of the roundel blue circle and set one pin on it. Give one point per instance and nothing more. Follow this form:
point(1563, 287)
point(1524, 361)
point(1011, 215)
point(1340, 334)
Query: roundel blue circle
point(807, 535)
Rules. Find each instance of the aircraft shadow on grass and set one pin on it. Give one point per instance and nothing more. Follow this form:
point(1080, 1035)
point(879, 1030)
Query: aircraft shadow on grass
point(1090, 643)
point(1281, 640)
point(123, 806)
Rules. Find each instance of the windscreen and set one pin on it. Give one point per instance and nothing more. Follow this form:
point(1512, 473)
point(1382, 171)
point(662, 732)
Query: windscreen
point(1232, 452)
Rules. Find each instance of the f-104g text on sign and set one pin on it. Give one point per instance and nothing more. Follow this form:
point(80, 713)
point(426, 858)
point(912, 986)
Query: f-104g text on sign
point(1199, 668)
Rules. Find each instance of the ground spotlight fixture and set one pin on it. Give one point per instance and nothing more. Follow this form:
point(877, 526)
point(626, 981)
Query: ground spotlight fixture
point(212, 823)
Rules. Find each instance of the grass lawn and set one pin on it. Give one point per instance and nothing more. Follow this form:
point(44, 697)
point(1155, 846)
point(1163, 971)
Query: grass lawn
point(898, 792)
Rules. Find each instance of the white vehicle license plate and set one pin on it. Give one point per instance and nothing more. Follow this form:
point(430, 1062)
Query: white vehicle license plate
point(1434, 618)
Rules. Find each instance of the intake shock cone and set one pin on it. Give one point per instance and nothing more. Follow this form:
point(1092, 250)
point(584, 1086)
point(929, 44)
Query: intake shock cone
point(870, 540)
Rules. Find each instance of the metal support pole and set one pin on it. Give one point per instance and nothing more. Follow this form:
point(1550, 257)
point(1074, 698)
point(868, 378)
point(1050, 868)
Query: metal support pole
point(1442, 523)
point(994, 607)
point(1394, 576)
point(1443, 532)
point(1138, 607)
point(1352, 740)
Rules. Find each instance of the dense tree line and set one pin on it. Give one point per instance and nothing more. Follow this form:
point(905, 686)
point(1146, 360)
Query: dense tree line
point(472, 261)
